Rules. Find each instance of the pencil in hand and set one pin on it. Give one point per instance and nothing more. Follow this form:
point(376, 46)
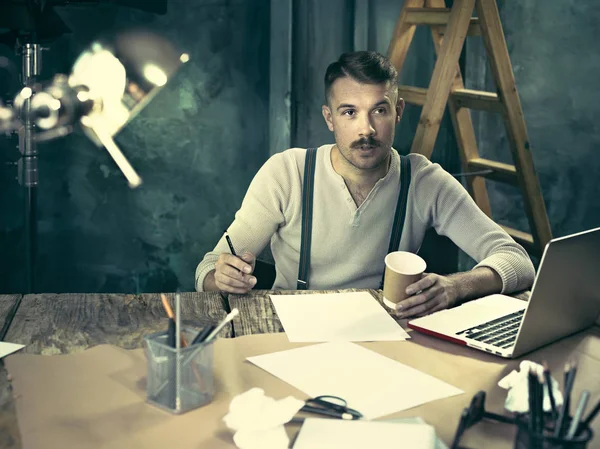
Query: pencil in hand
point(229, 243)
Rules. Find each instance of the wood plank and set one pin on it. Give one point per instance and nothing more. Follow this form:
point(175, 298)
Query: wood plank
point(477, 99)
point(463, 129)
point(413, 95)
point(257, 313)
point(64, 323)
point(522, 238)
point(9, 429)
point(438, 16)
point(7, 303)
point(495, 43)
point(280, 81)
point(361, 25)
point(442, 79)
point(403, 35)
point(501, 172)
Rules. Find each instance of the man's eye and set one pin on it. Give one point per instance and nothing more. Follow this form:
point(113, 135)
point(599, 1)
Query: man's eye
point(380, 111)
point(349, 112)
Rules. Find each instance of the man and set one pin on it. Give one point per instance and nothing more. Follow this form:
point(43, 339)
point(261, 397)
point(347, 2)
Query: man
point(356, 186)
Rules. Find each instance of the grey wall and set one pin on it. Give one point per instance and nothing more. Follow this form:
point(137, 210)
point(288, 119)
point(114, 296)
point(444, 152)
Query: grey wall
point(556, 62)
point(198, 144)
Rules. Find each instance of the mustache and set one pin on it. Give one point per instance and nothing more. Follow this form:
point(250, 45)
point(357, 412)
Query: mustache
point(371, 141)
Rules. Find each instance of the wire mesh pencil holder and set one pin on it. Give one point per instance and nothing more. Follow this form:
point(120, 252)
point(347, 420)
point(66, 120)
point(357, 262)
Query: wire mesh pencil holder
point(529, 439)
point(178, 380)
point(525, 437)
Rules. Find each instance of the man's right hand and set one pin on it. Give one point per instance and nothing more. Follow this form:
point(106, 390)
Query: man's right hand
point(232, 274)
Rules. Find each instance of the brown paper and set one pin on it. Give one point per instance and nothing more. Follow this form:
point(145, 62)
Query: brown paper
point(96, 398)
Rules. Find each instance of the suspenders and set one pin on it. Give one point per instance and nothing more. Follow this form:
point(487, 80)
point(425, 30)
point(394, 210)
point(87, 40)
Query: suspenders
point(307, 209)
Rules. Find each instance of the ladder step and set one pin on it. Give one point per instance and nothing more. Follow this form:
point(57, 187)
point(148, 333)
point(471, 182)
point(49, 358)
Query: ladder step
point(522, 238)
point(477, 99)
point(437, 16)
point(413, 95)
point(501, 172)
point(464, 98)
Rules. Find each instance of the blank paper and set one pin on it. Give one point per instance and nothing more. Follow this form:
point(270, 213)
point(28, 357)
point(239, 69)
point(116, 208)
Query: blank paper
point(9, 348)
point(340, 434)
point(371, 383)
point(354, 316)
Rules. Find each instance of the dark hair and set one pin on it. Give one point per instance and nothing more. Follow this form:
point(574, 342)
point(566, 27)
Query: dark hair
point(367, 67)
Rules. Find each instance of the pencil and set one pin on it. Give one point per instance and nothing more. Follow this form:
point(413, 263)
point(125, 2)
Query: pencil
point(230, 244)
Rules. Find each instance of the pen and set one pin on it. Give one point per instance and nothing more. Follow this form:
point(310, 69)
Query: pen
point(230, 244)
point(539, 383)
point(548, 378)
point(564, 410)
point(171, 334)
point(583, 400)
point(177, 353)
point(532, 404)
point(588, 420)
point(203, 334)
point(222, 324)
point(171, 386)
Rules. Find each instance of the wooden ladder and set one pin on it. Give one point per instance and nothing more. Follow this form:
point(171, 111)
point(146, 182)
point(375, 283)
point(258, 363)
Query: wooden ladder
point(449, 28)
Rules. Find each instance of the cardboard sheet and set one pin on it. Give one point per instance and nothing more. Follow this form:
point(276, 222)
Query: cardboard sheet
point(96, 398)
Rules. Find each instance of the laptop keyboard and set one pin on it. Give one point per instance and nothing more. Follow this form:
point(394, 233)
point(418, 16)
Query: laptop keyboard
point(501, 332)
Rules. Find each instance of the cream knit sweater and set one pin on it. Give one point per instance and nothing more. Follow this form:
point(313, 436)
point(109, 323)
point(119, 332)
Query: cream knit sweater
point(350, 243)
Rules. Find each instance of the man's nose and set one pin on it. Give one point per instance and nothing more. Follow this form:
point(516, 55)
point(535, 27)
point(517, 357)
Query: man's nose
point(366, 126)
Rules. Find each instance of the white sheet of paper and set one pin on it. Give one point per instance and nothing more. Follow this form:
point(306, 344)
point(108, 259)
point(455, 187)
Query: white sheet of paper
point(353, 316)
point(9, 348)
point(340, 434)
point(371, 383)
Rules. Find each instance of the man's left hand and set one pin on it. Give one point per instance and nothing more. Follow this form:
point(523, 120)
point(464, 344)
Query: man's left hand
point(430, 294)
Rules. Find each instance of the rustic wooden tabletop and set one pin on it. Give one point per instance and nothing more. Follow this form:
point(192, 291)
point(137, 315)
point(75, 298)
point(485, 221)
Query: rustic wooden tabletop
point(65, 323)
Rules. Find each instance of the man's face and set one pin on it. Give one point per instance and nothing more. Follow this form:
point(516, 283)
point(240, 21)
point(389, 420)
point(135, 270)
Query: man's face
point(363, 118)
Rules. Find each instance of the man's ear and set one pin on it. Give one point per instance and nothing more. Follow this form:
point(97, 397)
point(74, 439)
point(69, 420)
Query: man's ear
point(327, 116)
point(399, 109)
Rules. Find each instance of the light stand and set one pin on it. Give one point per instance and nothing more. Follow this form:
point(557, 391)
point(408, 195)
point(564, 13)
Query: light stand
point(28, 163)
point(109, 84)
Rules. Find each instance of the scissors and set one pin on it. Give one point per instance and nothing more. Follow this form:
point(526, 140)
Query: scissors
point(332, 406)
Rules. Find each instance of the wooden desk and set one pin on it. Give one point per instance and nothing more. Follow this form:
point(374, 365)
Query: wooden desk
point(57, 324)
point(65, 323)
point(460, 366)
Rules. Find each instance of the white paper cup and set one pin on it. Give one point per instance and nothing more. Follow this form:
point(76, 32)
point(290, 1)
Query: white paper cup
point(401, 269)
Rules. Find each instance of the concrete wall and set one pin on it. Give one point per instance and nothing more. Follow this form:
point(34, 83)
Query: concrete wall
point(198, 144)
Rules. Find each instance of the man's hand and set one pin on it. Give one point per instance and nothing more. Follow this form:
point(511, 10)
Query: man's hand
point(233, 274)
point(434, 292)
point(430, 294)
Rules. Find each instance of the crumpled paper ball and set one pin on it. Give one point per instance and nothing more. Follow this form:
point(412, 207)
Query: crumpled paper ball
point(258, 420)
point(517, 398)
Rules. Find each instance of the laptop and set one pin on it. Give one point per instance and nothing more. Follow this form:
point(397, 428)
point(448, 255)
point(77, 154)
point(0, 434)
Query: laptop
point(565, 299)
